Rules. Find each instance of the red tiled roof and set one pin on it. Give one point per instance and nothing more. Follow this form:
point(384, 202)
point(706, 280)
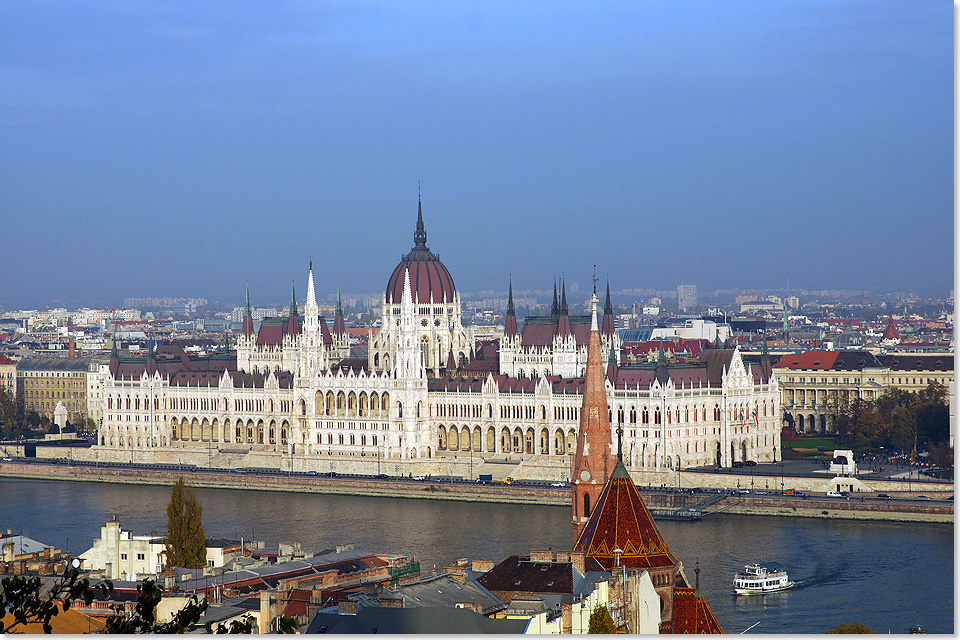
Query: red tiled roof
point(273, 334)
point(809, 360)
point(620, 520)
point(692, 614)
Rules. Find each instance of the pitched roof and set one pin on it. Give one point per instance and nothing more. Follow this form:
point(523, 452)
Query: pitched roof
point(519, 573)
point(274, 330)
point(692, 614)
point(621, 520)
point(539, 331)
point(914, 362)
point(415, 620)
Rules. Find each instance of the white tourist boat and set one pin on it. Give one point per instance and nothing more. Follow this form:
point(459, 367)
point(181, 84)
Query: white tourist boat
point(763, 577)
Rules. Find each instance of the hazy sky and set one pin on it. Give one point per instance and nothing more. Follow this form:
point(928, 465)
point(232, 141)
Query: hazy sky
point(190, 148)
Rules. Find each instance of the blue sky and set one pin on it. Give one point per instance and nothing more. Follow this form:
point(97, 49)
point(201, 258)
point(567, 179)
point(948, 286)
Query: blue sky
point(191, 148)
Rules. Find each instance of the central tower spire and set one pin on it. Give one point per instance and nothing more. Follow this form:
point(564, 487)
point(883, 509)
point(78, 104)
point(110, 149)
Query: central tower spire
point(420, 235)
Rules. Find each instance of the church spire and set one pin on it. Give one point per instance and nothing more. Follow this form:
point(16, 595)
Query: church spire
point(554, 308)
point(294, 312)
point(420, 235)
point(593, 460)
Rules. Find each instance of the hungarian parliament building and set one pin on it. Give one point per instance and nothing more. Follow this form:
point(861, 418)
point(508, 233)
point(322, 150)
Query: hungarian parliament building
point(427, 390)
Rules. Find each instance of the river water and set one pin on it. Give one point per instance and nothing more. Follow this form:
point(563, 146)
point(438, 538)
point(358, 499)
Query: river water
point(889, 576)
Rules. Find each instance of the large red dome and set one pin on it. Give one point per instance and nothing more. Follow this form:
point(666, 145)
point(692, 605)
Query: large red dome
point(430, 282)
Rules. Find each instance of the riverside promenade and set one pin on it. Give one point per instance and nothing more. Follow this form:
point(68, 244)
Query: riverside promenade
point(901, 506)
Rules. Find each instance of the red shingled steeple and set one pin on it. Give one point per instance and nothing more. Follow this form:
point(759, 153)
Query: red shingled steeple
point(593, 460)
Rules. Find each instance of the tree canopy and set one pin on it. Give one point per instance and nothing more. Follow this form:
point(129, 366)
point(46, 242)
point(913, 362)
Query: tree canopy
point(898, 419)
point(186, 541)
point(600, 621)
point(855, 627)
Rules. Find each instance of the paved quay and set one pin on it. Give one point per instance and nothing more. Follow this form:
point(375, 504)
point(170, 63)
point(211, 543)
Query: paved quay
point(906, 509)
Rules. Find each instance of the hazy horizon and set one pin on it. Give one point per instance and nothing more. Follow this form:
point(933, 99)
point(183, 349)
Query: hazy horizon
point(191, 149)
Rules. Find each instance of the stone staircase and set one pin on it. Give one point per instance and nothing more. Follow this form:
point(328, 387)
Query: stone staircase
point(499, 469)
point(227, 459)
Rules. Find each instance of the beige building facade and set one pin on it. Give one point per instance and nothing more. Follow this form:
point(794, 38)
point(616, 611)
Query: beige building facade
point(43, 382)
point(816, 385)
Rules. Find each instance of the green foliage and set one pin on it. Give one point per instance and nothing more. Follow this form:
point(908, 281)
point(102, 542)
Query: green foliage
point(856, 627)
point(600, 621)
point(22, 597)
point(186, 541)
point(143, 619)
point(898, 419)
point(243, 625)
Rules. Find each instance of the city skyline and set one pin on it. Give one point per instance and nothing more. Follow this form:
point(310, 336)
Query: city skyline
point(192, 150)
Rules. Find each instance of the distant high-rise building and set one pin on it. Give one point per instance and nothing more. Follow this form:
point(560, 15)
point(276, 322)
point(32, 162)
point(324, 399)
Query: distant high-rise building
point(686, 296)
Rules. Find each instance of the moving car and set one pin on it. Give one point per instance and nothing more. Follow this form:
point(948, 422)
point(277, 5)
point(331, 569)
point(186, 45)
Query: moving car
point(833, 494)
point(882, 496)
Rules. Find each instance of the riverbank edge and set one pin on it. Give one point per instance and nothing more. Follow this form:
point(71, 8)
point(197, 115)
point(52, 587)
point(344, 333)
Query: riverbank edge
point(734, 505)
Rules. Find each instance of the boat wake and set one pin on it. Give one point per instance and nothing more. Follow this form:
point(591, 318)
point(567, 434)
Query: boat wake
point(820, 578)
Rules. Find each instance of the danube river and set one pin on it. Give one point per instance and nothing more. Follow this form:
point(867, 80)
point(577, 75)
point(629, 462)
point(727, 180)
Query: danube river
point(889, 576)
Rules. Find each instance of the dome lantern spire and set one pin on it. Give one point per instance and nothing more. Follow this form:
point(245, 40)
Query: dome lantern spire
point(420, 235)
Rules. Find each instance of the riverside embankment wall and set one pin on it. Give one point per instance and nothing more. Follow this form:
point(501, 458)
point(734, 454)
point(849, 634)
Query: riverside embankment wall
point(851, 508)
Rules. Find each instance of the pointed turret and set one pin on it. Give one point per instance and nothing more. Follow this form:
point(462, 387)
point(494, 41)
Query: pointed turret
point(555, 307)
point(311, 300)
point(293, 315)
point(593, 460)
point(612, 366)
point(563, 326)
point(247, 329)
point(662, 374)
point(607, 327)
point(420, 234)
point(339, 327)
point(451, 362)
point(510, 322)
point(719, 344)
point(151, 367)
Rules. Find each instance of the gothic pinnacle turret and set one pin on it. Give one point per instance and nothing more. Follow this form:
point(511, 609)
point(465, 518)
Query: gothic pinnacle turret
point(247, 329)
point(607, 329)
point(510, 320)
point(563, 326)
